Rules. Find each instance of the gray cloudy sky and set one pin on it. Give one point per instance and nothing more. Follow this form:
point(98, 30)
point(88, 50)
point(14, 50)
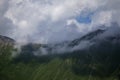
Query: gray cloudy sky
point(55, 20)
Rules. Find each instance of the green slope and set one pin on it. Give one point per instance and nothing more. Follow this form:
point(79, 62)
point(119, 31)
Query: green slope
point(56, 69)
point(74, 66)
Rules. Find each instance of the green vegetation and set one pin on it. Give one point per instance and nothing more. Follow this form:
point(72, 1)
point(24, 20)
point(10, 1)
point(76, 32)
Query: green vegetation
point(70, 66)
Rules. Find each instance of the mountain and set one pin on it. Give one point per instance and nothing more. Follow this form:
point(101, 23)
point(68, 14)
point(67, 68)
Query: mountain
point(94, 56)
point(92, 39)
point(87, 37)
point(6, 41)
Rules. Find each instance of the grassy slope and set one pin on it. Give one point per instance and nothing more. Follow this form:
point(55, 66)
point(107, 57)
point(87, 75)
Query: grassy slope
point(55, 69)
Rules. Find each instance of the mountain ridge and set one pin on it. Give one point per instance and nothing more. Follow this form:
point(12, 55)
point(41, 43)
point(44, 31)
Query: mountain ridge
point(6, 41)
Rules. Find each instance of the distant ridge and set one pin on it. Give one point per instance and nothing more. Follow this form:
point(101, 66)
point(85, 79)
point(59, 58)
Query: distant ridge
point(5, 41)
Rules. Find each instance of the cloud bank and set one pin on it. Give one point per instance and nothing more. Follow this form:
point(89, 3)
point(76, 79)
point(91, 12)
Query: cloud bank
point(48, 21)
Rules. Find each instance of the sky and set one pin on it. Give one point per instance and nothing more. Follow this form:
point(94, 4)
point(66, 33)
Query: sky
point(50, 21)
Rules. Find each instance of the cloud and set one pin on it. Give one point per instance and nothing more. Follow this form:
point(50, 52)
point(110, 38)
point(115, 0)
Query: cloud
point(45, 21)
point(102, 18)
point(5, 23)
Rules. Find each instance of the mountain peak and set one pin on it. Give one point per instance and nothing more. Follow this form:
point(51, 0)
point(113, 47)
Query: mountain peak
point(6, 41)
point(88, 36)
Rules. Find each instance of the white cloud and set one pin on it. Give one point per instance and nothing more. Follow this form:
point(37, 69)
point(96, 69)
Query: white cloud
point(54, 20)
point(1, 2)
point(102, 18)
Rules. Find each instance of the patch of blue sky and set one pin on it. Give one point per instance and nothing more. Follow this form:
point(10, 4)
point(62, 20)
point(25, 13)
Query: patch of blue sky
point(86, 19)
